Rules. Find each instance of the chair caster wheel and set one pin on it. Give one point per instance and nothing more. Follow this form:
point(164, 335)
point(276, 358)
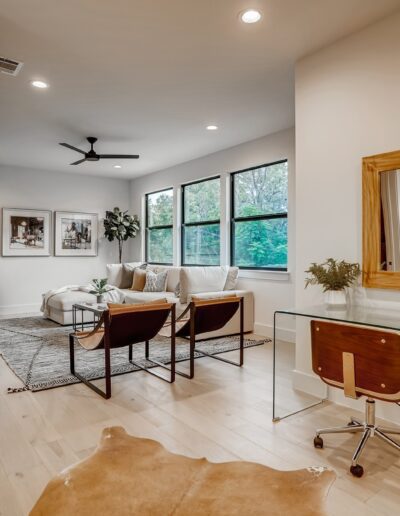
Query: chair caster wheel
point(357, 470)
point(318, 442)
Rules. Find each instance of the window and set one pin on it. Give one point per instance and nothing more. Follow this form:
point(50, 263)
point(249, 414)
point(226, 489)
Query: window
point(159, 227)
point(201, 222)
point(259, 217)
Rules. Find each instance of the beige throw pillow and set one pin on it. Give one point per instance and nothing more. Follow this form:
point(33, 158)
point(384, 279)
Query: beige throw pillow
point(139, 280)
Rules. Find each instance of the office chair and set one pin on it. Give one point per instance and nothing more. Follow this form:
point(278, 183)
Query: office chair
point(363, 362)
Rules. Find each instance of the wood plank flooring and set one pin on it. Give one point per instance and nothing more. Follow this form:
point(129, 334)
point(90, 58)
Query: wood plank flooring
point(223, 414)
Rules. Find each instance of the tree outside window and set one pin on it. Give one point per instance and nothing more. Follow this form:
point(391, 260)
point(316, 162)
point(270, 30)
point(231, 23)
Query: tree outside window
point(201, 222)
point(159, 227)
point(259, 217)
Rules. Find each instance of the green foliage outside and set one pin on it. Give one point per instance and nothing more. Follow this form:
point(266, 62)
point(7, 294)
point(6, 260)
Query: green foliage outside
point(259, 243)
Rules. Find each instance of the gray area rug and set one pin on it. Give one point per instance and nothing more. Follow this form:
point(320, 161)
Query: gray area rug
point(37, 351)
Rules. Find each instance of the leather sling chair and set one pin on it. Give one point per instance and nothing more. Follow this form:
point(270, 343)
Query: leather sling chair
point(206, 315)
point(363, 362)
point(126, 325)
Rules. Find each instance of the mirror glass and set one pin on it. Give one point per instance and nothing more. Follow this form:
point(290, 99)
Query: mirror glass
point(390, 220)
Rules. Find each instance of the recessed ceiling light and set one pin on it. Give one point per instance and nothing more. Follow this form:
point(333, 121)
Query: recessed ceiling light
point(39, 84)
point(212, 127)
point(251, 16)
point(117, 166)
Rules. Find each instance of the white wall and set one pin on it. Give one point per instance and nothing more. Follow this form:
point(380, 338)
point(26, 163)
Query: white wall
point(347, 107)
point(23, 280)
point(273, 290)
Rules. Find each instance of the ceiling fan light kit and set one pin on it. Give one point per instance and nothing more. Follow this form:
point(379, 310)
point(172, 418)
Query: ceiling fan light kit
point(92, 155)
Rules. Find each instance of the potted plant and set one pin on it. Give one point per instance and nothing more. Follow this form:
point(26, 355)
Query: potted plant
point(118, 225)
point(334, 276)
point(99, 289)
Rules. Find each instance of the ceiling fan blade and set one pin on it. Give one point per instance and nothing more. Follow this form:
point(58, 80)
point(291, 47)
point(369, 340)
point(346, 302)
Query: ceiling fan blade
point(72, 147)
point(78, 162)
point(119, 156)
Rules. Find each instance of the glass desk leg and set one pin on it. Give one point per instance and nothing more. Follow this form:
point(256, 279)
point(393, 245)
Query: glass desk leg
point(300, 401)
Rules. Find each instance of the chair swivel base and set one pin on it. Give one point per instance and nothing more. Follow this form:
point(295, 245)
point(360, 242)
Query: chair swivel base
point(368, 429)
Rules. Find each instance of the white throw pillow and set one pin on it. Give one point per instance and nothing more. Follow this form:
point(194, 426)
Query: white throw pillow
point(231, 279)
point(114, 274)
point(173, 275)
point(194, 280)
point(156, 282)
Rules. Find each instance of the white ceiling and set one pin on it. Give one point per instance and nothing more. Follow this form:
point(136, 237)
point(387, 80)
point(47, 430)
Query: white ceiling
point(147, 76)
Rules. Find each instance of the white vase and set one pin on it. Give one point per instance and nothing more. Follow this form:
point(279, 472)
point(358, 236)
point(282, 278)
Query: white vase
point(99, 298)
point(335, 298)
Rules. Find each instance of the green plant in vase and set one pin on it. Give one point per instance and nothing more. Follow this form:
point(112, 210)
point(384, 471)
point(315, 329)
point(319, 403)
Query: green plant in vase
point(334, 276)
point(99, 289)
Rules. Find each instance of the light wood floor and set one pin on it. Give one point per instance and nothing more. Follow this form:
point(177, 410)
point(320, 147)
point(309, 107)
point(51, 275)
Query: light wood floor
point(223, 414)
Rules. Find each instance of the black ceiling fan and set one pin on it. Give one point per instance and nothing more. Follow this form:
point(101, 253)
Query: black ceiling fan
point(93, 156)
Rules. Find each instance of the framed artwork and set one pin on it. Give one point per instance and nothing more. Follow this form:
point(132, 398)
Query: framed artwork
point(26, 232)
point(75, 234)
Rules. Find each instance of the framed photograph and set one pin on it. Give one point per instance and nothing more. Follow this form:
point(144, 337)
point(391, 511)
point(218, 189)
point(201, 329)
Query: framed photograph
point(26, 232)
point(75, 234)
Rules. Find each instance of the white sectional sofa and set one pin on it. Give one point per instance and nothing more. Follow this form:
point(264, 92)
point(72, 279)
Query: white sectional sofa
point(182, 284)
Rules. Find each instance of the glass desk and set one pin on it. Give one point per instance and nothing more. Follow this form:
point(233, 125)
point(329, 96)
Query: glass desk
point(287, 400)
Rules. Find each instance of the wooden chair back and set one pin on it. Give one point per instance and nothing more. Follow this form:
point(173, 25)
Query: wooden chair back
point(135, 323)
point(209, 315)
point(359, 360)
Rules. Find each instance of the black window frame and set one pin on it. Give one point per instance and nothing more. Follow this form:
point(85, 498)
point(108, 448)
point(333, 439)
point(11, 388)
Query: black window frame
point(191, 224)
point(233, 219)
point(164, 226)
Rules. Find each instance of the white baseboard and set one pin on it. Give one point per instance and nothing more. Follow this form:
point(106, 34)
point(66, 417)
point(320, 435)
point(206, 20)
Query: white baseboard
point(267, 330)
point(309, 383)
point(19, 309)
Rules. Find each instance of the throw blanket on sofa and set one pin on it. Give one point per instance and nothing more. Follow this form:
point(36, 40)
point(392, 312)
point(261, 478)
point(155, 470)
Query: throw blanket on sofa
point(113, 296)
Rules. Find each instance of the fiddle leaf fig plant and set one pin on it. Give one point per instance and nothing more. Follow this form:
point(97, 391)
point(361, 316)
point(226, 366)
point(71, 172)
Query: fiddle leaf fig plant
point(333, 274)
point(119, 225)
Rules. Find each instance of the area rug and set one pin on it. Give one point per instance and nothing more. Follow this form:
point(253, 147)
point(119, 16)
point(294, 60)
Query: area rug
point(134, 476)
point(37, 351)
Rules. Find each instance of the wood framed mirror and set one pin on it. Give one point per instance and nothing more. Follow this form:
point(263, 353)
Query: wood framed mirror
point(381, 221)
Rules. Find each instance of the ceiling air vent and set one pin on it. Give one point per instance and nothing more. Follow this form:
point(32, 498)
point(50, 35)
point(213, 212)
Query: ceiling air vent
point(9, 66)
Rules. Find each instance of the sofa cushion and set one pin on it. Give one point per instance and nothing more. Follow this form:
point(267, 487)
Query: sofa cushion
point(194, 280)
point(64, 300)
point(132, 297)
point(231, 279)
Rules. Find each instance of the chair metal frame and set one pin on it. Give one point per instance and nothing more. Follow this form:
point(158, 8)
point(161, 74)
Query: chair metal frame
point(192, 308)
point(106, 320)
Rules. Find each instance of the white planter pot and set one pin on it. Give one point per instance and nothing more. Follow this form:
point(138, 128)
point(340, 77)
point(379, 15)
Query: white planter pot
point(335, 298)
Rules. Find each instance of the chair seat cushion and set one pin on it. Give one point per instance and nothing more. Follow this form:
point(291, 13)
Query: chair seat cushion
point(64, 300)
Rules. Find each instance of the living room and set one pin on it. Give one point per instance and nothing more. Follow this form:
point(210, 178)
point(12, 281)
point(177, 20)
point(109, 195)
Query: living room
point(296, 110)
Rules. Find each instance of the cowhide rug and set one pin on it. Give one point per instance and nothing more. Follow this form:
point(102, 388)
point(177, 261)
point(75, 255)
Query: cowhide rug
point(132, 476)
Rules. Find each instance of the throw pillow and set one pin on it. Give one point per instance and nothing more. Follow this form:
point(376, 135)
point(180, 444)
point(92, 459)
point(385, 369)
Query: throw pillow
point(139, 279)
point(194, 280)
point(127, 273)
point(114, 274)
point(231, 279)
point(156, 282)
